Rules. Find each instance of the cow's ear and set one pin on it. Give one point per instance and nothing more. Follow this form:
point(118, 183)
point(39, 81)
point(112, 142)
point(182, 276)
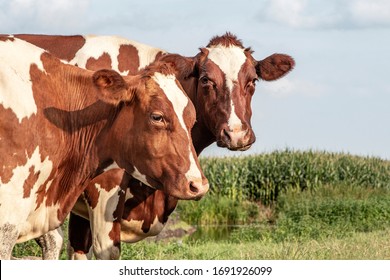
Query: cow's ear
point(274, 66)
point(185, 67)
point(112, 88)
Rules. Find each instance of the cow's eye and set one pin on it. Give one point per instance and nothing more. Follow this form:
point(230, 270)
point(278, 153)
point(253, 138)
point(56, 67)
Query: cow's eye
point(250, 86)
point(207, 83)
point(254, 81)
point(157, 117)
point(204, 80)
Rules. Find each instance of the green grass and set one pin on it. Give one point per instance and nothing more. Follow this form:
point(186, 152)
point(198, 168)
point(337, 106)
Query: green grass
point(360, 246)
point(332, 211)
point(287, 205)
point(334, 222)
point(303, 238)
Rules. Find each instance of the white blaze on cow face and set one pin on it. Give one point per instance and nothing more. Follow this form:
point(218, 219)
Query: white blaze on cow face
point(14, 73)
point(179, 101)
point(229, 60)
point(96, 46)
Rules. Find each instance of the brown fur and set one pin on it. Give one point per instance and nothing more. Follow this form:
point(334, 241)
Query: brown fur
point(103, 62)
point(128, 59)
point(226, 40)
point(69, 44)
point(81, 135)
point(212, 109)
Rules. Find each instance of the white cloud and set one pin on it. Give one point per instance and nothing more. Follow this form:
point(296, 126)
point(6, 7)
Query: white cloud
point(328, 14)
point(41, 14)
point(374, 12)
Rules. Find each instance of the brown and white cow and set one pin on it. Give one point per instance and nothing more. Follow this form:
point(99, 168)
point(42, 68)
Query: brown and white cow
point(220, 80)
point(62, 126)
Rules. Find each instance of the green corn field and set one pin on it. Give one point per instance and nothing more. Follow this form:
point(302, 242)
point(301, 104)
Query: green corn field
point(263, 177)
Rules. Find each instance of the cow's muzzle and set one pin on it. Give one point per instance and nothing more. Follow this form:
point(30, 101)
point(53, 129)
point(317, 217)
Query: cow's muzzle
point(236, 140)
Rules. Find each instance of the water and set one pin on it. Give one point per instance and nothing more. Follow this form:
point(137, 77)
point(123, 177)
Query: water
point(219, 232)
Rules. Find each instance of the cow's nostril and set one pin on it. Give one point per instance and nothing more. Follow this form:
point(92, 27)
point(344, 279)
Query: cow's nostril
point(226, 134)
point(193, 187)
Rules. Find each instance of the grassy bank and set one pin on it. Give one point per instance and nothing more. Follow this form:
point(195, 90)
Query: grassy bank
point(335, 222)
point(331, 211)
point(360, 246)
point(285, 205)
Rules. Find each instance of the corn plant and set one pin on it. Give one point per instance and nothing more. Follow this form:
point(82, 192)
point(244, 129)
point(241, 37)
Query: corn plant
point(262, 177)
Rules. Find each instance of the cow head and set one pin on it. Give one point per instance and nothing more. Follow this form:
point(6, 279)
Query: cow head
point(151, 134)
point(226, 76)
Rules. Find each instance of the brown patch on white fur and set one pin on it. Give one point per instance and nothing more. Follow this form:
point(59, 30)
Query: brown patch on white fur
point(52, 153)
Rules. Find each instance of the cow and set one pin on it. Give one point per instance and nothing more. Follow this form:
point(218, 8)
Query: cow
point(220, 80)
point(63, 126)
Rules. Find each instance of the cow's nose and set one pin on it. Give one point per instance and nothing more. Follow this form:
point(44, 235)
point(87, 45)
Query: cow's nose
point(235, 138)
point(198, 189)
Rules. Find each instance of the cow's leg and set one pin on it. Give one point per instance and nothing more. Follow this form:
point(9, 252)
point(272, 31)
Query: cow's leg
point(80, 238)
point(105, 215)
point(8, 237)
point(51, 244)
point(106, 236)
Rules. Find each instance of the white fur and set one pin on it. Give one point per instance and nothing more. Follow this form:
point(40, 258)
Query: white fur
point(229, 60)
point(128, 194)
point(53, 240)
point(140, 177)
point(31, 221)
point(77, 256)
point(136, 233)
point(179, 101)
point(113, 165)
point(234, 121)
point(102, 221)
point(15, 74)
point(96, 46)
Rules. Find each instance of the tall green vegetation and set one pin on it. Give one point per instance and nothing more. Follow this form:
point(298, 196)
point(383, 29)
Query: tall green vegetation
point(287, 195)
point(263, 177)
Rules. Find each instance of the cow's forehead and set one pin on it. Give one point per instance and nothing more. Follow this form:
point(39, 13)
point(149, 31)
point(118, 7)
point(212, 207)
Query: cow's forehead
point(174, 94)
point(229, 59)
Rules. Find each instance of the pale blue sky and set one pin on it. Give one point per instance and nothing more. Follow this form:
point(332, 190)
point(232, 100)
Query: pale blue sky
point(336, 99)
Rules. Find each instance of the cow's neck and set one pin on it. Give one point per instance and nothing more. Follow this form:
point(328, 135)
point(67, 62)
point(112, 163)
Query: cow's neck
point(202, 137)
point(82, 162)
point(79, 120)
